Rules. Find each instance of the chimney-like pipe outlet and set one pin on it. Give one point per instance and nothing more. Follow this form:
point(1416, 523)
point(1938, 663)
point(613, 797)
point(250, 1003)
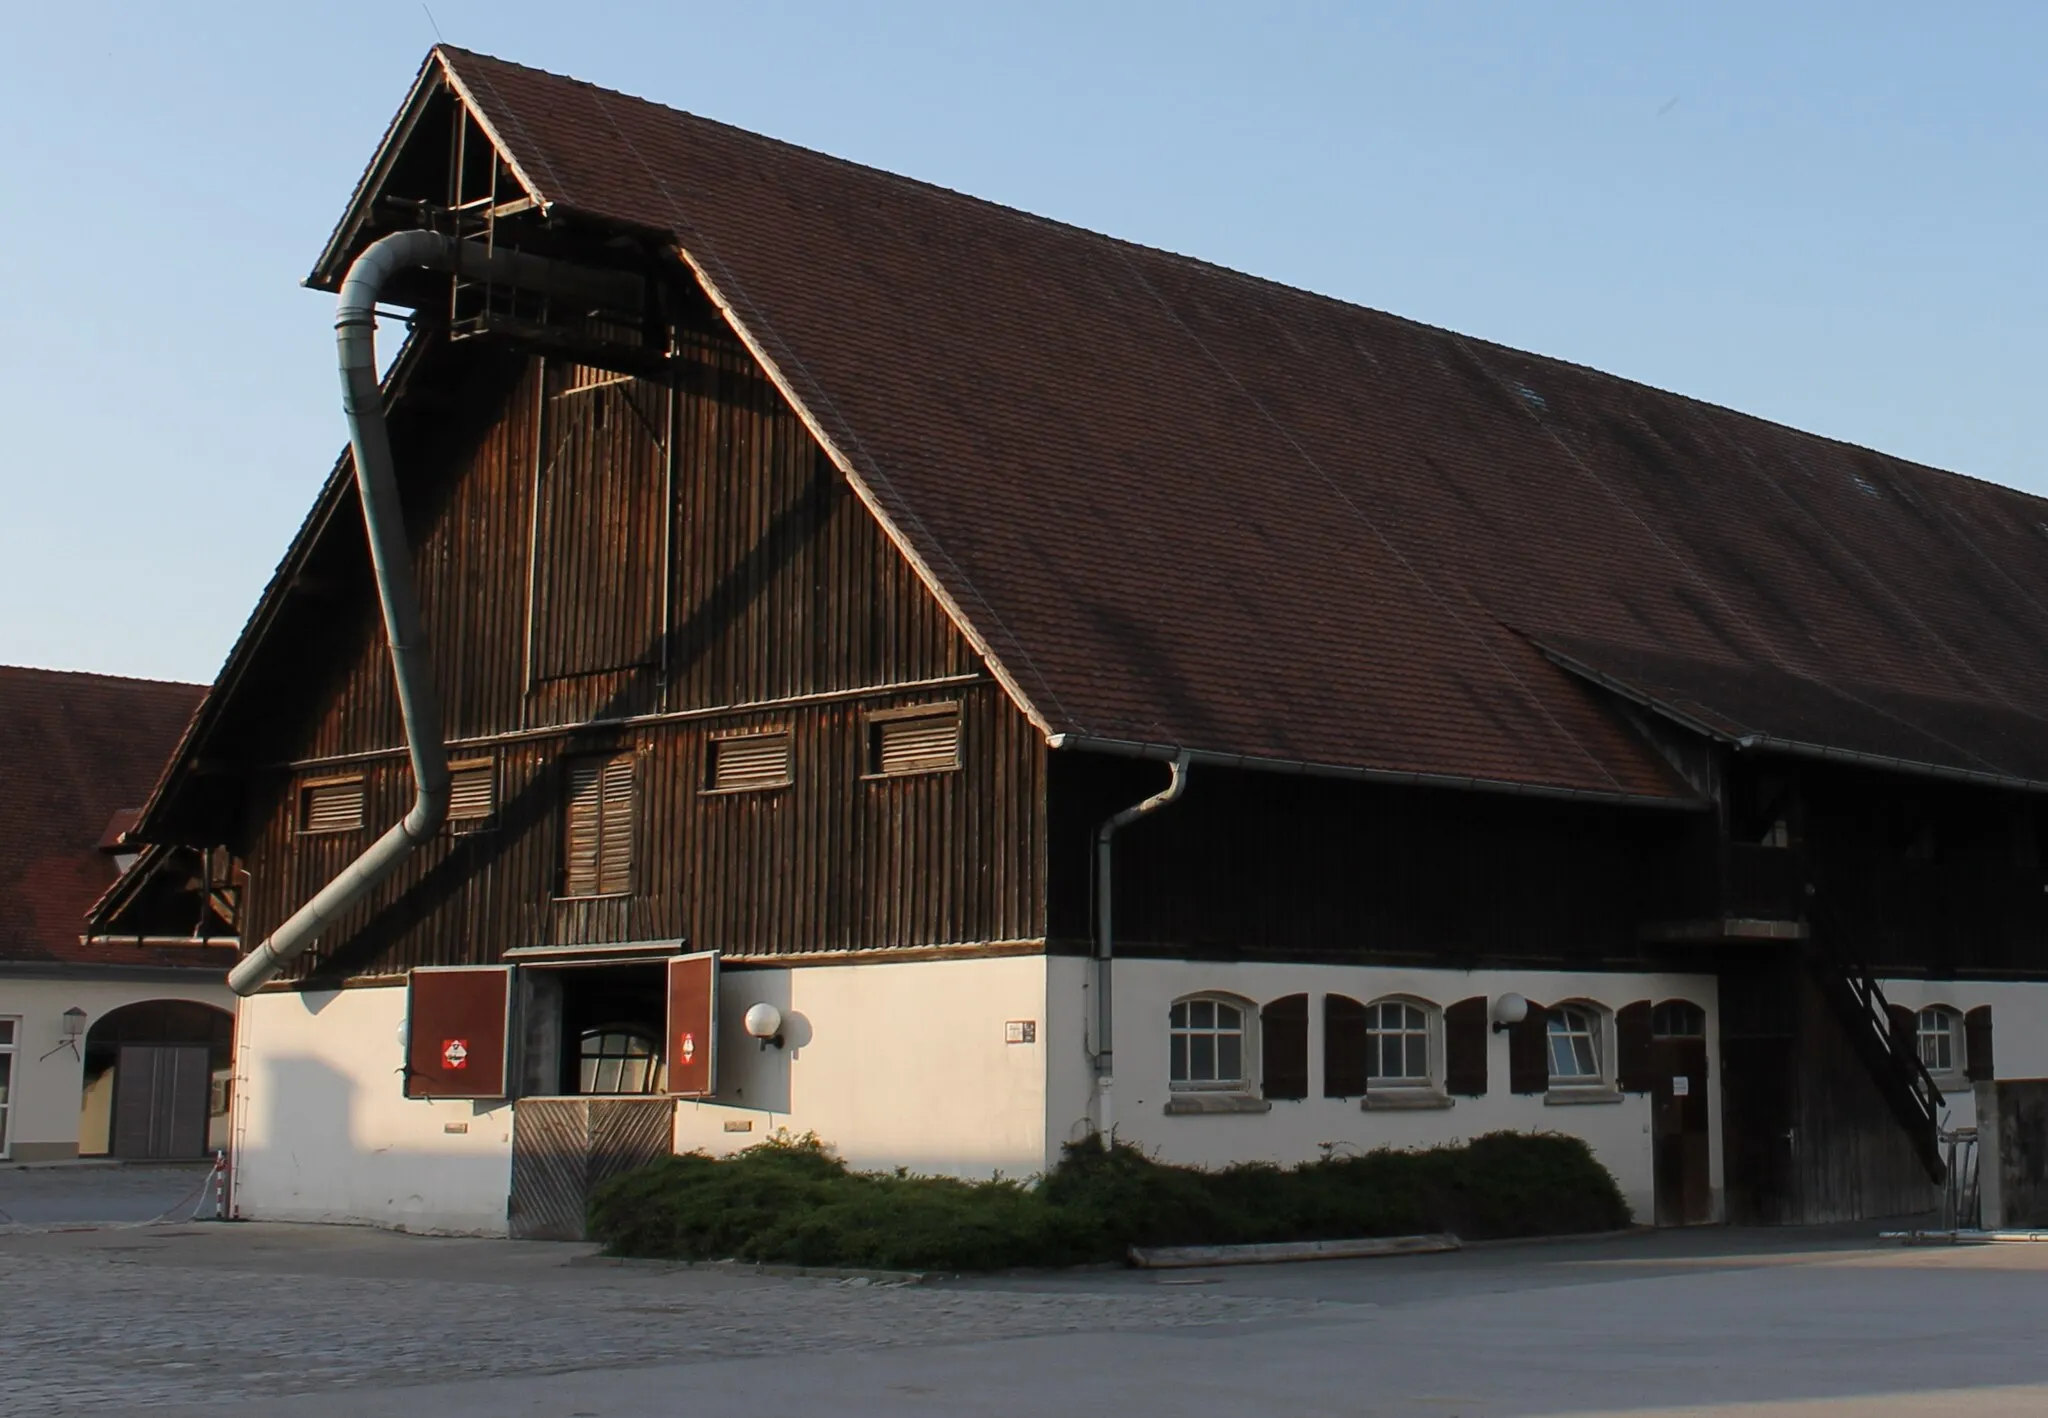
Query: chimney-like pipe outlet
point(355, 333)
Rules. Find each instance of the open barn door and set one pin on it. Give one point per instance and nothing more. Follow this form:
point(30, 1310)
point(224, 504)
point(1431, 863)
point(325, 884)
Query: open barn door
point(458, 1031)
point(693, 1025)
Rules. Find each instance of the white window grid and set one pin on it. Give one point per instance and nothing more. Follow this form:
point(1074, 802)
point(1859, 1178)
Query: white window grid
point(1938, 1031)
point(1397, 1044)
point(1574, 1038)
point(1208, 1044)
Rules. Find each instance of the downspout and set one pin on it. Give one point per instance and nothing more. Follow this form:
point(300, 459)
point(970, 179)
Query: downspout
point(1105, 1033)
point(355, 334)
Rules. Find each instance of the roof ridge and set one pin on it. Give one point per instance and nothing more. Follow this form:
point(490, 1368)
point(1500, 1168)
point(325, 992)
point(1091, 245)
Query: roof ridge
point(1233, 273)
point(11, 670)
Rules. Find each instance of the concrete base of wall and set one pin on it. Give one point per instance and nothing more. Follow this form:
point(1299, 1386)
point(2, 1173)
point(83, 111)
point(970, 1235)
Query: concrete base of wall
point(43, 1152)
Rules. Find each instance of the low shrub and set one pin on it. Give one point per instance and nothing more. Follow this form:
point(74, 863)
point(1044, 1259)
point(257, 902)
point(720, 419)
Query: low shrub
point(791, 1201)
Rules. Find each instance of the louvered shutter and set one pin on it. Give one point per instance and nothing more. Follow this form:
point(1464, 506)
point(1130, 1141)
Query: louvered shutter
point(1283, 1048)
point(615, 856)
point(581, 827)
point(1977, 1058)
point(751, 761)
point(1465, 1044)
point(333, 806)
point(472, 791)
point(921, 743)
point(1632, 1048)
point(1344, 1047)
point(1529, 1052)
point(1905, 1027)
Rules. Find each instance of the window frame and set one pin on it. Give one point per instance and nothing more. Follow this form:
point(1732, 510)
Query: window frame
point(1599, 1035)
point(567, 769)
point(871, 722)
point(10, 1079)
point(300, 827)
point(1246, 1085)
point(1431, 1080)
point(1958, 1040)
point(709, 782)
point(657, 1066)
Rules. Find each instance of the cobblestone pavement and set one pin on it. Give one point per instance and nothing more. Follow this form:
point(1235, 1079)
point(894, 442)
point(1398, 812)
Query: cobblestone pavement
point(123, 1320)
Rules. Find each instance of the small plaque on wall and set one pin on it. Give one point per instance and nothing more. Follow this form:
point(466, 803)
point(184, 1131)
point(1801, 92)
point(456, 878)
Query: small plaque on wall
point(1021, 1031)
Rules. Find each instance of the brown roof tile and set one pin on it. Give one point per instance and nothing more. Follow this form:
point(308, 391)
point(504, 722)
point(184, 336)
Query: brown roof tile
point(1185, 506)
point(75, 749)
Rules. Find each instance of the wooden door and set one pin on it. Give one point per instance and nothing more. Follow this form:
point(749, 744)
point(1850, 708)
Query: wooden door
point(564, 1148)
point(160, 1095)
point(1679, 1129)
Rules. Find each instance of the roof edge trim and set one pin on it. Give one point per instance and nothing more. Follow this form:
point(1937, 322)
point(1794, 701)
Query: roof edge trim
point(861, 489)
point(1162, 752)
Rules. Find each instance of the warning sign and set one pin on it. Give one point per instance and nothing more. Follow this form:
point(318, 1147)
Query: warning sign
point(455, 1053)
point(689, 1047)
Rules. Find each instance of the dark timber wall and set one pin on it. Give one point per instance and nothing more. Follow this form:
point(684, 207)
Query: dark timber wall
point(616, 564)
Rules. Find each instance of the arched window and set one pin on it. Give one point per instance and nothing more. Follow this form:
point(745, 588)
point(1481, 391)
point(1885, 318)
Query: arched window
point(618, 1058)
point(1678, 1019)
point(1939, 1032)
point(1207, 1040)
point(1398, 1038)
point(1577, 1038)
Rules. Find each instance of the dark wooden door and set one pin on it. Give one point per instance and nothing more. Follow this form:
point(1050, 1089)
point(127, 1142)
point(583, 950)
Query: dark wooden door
point(1757, 1130)
point(160, 1094)
point(1679, 1132)
point(564, 1148)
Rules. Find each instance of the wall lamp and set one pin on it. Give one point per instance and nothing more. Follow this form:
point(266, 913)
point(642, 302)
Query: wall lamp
point(764, 1022)
point(1508, 1011)
point(74, 1022)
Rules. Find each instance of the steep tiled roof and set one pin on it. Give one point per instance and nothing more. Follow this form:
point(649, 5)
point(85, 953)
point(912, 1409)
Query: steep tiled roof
point(75, 749)
point(1178, 505)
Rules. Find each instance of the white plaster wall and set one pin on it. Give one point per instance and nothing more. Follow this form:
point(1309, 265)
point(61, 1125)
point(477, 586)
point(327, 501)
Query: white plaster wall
point(1618, 1132)
point(48, 1091)
point(2019, 1030)
point(323, 1131)
point(895, 1065)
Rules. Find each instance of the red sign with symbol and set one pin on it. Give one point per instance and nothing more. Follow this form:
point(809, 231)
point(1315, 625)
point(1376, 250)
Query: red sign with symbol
point(455, 1053)
point(689, 1048)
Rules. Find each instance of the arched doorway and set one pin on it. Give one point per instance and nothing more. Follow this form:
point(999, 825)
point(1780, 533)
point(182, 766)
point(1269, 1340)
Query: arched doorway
point(156, 1080)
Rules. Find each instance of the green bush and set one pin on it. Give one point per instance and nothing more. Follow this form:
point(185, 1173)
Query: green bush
point(790, 1201)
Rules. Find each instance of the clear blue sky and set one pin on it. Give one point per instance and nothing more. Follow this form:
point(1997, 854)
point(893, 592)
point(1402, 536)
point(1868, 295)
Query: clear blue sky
point(1828, 214)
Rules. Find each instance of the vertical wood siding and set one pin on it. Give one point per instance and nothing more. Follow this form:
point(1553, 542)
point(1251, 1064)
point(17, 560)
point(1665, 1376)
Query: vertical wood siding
point(767, 581)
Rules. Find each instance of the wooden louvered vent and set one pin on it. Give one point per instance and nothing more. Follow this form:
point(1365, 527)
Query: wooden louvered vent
point(331, 805)
point(749, 761)
point(597, 831)
point(926, 741)
point(472, 794)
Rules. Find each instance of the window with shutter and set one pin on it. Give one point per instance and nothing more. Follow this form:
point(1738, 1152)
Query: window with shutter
point(331, 805)
point(1283, 1045)
point(1345, 1044)
point(914, 741)
point(472, 793)
point(748, 762)
point(597, 827)
point(1466, 1035)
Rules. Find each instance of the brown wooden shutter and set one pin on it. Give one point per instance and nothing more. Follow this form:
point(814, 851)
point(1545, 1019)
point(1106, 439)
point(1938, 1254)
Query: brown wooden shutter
point(582, 833)
point(1529, 1052)
point(919, 743)
point(615, 856)
point(458, 1030)
point(1905, 1029)
point(1632, 1048)
point(472, 791)
point(1283, 1047)
point(1345, 1045)
point(1465, 1045)
point(1978, 1065)
point(749, 761)
point(693, 1025)
point(335, 805)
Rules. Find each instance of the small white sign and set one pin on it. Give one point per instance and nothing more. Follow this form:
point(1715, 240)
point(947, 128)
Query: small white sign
point(1680, 1086)
point(1020, 1031)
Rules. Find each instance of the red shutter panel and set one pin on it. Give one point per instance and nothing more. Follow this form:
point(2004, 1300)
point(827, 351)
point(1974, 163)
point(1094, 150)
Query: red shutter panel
point(615, 854)
point(1632, 1048)
point(1529, 1052)
point(458, 1031)
point(693, 1025)
point(1283, 1048)
point(582, 814)
point(1465, 1044)
point(1344, 1047)
point(1977, 1059)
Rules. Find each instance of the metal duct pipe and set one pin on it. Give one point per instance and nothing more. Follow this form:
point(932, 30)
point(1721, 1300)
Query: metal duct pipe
point(1105, 1020)
point(355, 334)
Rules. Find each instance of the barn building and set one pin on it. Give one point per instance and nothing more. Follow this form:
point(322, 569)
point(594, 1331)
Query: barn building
point(1075, 686)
